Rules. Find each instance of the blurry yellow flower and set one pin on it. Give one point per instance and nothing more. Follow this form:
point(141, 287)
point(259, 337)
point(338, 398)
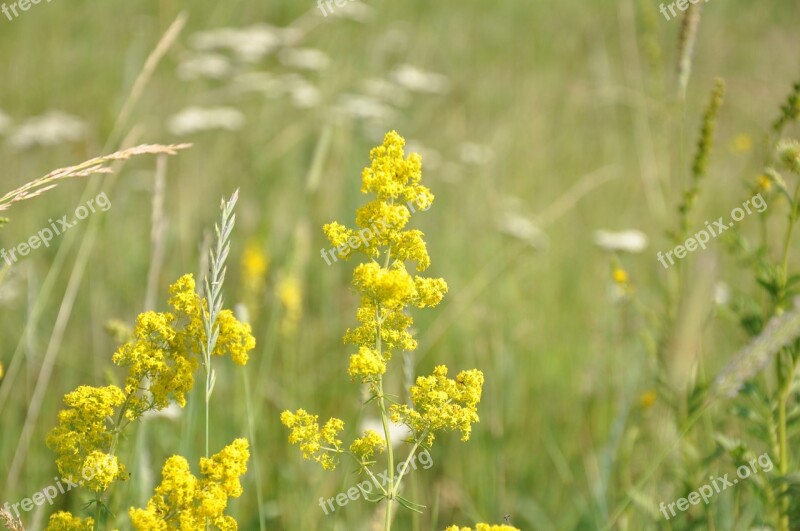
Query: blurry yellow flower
point(741, 143)
point(648, 398)
point(1, 371)
point(619, 275)
point(764, 182)
point(254, 266)
point(290, 294)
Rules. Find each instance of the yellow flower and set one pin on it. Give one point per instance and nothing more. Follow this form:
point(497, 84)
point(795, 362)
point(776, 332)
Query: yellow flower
point(365, 447)
point(619, 275)
point(306, 433)
point(165, 349)
point(442, 404)
point(290, 294)
point(184, 502)
point(255, 264)
point(366, 364)
point(741, 143)
point(648, 399)
point(764, 182)
point(82, 436)
point(64, 521)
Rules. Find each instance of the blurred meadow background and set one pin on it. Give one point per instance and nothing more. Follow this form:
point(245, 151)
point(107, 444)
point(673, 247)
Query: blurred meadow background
point(539, 123)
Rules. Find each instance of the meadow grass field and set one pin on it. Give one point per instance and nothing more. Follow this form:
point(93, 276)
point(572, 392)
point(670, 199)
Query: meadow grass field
point(611, 386)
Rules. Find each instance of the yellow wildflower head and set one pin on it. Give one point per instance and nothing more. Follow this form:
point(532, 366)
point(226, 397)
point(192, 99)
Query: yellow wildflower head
point(619, 275)
point(366, 364)
point(365, 447)
point(306, 433)
point(443, 404)
point(182, 501)
point(64, 521)
point(83, 435)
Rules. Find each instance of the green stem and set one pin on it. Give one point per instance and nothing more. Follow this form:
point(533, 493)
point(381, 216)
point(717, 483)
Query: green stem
point(407, 461)
point(783, 465)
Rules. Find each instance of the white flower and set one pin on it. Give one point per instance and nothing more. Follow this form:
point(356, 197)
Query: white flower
point(363, 107)
point(386, 91)
point(262, 82)
point(417, 80)
point(249, 44)
point(629, 241)
point(49, 129)
point(522, 228)
point(205, 65)
point(196, 119)
point(475, 154)
point(305, 96)
point(304, 58)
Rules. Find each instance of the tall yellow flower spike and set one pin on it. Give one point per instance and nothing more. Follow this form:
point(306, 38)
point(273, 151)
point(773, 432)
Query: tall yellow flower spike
point(387, 290)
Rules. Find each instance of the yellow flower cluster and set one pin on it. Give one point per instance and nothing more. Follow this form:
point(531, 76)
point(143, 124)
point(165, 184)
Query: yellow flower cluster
point(387, 290)
point(63, 521)
point(306, 433)
point(483, 527)
point(365, 447)
point(184, 502)
point(442, 404)
point(395, 181)
point(165, 349)
point(161, 356)
point(83, 432)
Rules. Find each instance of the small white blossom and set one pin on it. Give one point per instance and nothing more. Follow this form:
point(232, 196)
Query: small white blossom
point(196, 119)
point(49, 129)
point(629, 241)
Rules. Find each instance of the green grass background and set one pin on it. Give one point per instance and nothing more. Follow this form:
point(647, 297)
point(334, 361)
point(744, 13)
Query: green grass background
point(558, 90)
